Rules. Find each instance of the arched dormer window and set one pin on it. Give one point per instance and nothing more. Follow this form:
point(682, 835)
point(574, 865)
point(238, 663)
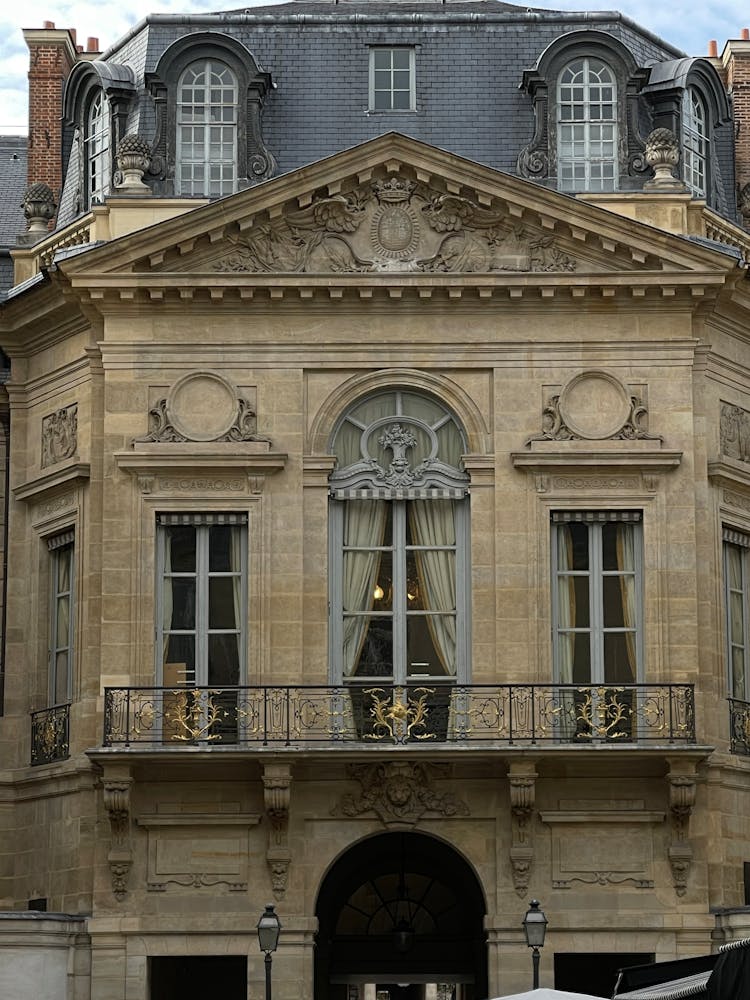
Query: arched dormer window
point(97, 150)
point(399, 542)
point(695, 142)
point(209, 92)
point(587, 127)
point(206, 148)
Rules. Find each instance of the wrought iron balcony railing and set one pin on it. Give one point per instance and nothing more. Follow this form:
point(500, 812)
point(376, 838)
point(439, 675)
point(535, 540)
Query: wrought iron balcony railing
point(489, 713)
point(739, 726)
point(50, 734)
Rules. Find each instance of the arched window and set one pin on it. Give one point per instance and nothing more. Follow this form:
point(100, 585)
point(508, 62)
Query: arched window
point(587, 126)
point(695, 142)
point(399, 542)
point(207, 130)
point(98, 154)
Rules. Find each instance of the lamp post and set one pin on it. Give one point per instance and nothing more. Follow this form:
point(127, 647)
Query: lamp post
point(268, 939)
point(535, 927)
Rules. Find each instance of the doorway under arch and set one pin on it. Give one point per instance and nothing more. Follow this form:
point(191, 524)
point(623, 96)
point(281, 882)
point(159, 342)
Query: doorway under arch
point(400, 917)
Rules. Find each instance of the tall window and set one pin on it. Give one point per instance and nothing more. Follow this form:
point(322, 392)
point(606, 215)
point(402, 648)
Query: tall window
point(201, 600)
point(207, 130)
point(98, 154)
point(597, 584)
point(736, 594)
point(392, 84)
point(62, 616)
point(587, 127)
point(695, 142)
point(399, 539)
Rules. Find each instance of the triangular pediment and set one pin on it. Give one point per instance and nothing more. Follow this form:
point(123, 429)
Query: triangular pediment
point(397, 207)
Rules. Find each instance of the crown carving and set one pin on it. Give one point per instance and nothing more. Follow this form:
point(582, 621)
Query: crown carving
point(393, 189)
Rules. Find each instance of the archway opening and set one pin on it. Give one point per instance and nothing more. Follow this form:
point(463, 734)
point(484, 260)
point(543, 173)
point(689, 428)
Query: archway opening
point(400, 915)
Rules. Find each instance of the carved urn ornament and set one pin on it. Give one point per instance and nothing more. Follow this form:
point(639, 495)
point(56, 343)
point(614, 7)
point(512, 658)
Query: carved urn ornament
point(39, 206)
point(133, 160)
point(662, 154)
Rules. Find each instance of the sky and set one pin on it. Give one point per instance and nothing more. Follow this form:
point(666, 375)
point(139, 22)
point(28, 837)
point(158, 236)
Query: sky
point(689, 26)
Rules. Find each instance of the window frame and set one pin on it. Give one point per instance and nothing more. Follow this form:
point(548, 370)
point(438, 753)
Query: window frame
point(588, 124)
point(208, 65)
point(696, 142)
point(202, 574)
point(58, 545)
point(97, 148)
point(596, 629)
point(740, 541)
point(374, 50)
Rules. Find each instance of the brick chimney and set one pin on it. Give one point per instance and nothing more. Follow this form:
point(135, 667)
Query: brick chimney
point(52, 56)
point(736, 61)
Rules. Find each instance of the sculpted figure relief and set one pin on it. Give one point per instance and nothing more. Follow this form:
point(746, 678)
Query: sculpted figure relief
point(393, 225)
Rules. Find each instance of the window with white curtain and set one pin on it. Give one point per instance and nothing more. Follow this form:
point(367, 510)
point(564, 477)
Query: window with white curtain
point(695, 142)
point(98, 152)
point(62, 616)
point(597, 596)
point(587, 126)
point(201, 599)
point(736, 594)
point(399, 542)
point(207, 130)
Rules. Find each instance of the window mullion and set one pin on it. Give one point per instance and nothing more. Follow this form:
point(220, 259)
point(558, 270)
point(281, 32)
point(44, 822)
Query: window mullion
point(201, 604)
point(399, 591)
point(596, 603)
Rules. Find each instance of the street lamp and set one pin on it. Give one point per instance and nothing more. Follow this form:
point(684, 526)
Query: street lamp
point(535, 927)
point(268, 939)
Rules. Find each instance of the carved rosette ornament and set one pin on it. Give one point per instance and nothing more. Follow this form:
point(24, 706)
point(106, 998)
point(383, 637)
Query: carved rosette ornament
point(39, 207)
point(662, 155)
point(116, 793)
point(395, 224)
point(59, 435)
point(133, 161)
point(277, 782)
point(399, 792)
point(682, 789)
point(522, 782)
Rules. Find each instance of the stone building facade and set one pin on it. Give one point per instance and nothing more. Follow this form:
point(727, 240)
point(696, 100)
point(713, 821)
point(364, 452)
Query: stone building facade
point(378, 420)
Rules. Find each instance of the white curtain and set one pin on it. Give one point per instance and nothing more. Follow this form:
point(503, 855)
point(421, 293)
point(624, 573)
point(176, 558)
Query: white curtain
point(566, 604)
point(433, 522)
point(735, 599)
point(236, 539)
point(364, 527)
point(626, 565)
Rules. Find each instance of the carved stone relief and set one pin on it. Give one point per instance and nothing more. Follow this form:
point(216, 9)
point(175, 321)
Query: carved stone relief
point(737, 500)
point(522, 781)
point(594, 406)
point(734, 431)
point(202, 406)
point(682, 789)
point(117, 803)
point(277, 780)
point(59, 435)
point(393, 225)
point(399, 792)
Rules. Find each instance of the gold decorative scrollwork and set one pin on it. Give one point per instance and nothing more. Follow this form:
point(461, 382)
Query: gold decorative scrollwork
point(399, 719)
point(603, 713)
point(194, 715)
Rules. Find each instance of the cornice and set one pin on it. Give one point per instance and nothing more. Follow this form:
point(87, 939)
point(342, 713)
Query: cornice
point(76, 474)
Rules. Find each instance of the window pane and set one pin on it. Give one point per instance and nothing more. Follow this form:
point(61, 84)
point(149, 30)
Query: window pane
point(739, 689)
point(60, 693)
point(181, 541)
point(223, 593)
point(179, 660)
point(401, 58)
point(382, 58)
point(618, 600)
point(619, 658)
point(430, 645)
point(376, 655)
point(221, 558)
point(183, 602)
point(579, 648)
point(223, 660)
point(63, 622)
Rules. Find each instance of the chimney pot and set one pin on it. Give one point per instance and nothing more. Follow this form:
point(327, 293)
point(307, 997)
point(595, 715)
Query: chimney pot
point(713, 49)
point(92, 44)
point(48, 24)
point(745, 34)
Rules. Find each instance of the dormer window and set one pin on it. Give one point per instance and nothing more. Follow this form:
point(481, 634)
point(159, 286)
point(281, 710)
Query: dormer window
point(392, 83)
point(98, 153)
point(207, 130)
point(587, 127)
point(695, 142)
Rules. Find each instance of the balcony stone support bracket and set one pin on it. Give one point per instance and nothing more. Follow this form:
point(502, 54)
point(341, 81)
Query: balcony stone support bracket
point(116, 787)
point(277, 783)
point(682, 788)
point(522, 777)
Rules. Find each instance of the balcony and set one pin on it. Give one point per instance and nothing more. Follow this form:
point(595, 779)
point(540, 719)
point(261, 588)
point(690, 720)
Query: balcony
point(50, 735)
point(739, 726)
point(365, 715)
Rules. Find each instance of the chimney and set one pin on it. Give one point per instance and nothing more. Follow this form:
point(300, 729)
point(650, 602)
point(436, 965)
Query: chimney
point(52, 54)
point(736, 60)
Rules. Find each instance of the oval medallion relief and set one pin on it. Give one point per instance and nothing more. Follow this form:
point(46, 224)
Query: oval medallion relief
point(594, 405)
point(395, 231)
point(202, 406)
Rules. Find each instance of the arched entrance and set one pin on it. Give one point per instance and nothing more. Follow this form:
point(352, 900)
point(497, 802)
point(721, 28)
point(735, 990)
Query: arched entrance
point(400, 917)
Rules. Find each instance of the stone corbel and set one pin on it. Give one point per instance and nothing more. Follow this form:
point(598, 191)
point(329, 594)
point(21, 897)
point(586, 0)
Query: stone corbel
point(682, 787)
point(277, 781)
point(522, 781)
point(116, 791)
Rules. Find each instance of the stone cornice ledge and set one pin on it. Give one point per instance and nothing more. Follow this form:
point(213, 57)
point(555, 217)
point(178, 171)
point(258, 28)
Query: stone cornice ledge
point(251, 457)
point(729, 472)
point(596, 454)
point(50, 482)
